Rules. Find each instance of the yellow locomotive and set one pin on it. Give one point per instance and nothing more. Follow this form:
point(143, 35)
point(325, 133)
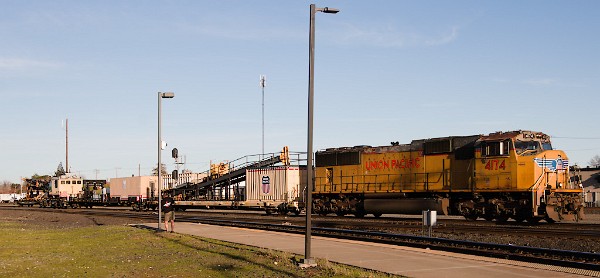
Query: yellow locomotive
point(498, 176)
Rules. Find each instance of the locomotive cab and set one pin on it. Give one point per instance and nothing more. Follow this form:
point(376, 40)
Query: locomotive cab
point(525, 178)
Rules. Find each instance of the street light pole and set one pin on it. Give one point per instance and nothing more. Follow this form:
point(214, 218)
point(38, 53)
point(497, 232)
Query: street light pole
point(308, 261)
point(160, 97)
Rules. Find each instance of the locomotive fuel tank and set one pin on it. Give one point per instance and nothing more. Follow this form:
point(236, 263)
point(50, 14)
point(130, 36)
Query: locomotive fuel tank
point(406, 206)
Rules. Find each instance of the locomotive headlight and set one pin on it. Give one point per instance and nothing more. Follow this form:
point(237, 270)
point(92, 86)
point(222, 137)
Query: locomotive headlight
point(560, 185)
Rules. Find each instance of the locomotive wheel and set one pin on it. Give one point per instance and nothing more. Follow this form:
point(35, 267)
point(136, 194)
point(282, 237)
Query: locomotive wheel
point(533, 220)
point(268, 211)
point(502, 218)
point(471, 217)
point(550, 220)
point(377, 215)
point(519, 219)
point(359, 214)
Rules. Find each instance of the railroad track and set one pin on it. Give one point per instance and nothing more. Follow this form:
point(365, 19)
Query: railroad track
point(563, 230)
point(394, 225)
point(565, 258)
point(593, 231)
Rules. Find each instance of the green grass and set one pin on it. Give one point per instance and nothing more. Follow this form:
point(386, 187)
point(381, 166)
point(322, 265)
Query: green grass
point(122, 251)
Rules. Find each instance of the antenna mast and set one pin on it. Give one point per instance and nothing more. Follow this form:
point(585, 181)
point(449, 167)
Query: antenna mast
point(67, 144)
point(263, 80)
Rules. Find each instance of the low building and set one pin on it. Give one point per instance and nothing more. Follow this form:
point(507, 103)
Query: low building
point(590, 180)
point(142, 187)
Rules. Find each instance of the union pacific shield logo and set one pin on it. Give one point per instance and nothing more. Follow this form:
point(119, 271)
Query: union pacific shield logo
point(266, 184)
point(552, 164)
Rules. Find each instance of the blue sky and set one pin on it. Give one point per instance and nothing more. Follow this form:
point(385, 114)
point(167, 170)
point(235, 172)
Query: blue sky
point(385, 71)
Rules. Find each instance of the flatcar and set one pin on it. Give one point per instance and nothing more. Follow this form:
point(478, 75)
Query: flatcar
point(497, 176)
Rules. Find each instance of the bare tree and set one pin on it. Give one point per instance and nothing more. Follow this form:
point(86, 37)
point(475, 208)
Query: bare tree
point(5, 187)
point(163, 170)
point(15, 188)
point(595, 161)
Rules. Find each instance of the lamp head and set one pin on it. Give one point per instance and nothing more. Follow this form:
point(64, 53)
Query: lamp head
point(167, 95)
point(328, 10)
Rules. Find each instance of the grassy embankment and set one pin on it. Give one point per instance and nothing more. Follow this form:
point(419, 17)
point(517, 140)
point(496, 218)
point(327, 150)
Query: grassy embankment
point(122, 251)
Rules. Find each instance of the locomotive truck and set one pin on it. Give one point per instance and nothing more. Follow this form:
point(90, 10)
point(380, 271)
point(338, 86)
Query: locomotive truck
point(498, 176)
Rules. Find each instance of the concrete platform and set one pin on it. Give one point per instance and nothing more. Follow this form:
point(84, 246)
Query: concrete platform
point(407, 261)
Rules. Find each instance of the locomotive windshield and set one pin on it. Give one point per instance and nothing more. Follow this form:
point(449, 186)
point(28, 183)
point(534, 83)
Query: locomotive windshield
point(547, 146)
point(531, 147)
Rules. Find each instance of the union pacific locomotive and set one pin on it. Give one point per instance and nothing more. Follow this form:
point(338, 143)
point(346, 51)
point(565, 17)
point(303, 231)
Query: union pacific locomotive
point(498, 176)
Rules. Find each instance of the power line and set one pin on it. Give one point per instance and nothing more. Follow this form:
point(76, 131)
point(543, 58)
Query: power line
point(577, 138)
point(580, 150)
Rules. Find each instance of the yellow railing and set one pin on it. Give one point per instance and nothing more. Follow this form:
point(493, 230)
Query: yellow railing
point(385, 182)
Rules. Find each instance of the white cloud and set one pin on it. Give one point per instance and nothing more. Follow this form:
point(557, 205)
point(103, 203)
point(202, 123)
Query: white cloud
point(444, 38)
point(500, 80)
point(381, 35)
point(540, 81)
point(17, 64)
point(388, 36)
point(232, 30)
point(440, 105)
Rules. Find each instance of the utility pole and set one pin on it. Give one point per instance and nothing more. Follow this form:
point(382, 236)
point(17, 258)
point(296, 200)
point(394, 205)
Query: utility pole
point(67, 144)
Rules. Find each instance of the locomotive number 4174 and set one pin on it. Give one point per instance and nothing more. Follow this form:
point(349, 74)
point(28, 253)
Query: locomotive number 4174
point(495, 164)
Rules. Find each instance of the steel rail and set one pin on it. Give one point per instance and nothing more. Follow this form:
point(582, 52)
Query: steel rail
point(564, 258)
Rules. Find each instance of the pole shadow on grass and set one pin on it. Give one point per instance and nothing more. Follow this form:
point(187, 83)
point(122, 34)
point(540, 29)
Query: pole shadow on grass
point(218, 242)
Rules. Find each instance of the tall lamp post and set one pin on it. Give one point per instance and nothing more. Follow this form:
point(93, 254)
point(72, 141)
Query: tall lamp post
point(159, 169)
point(308, 261)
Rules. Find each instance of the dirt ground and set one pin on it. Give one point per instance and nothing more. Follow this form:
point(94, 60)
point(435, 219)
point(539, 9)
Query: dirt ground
point(57, 220)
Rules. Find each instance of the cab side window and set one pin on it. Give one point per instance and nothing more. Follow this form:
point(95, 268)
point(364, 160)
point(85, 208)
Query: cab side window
point(495, 148)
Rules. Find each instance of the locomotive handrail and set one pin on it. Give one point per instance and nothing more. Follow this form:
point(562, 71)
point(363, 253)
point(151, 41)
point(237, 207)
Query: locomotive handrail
point(537, 181)
point(385, 182)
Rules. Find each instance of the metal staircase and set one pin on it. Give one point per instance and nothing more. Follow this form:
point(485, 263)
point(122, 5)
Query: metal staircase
point(235, 172)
